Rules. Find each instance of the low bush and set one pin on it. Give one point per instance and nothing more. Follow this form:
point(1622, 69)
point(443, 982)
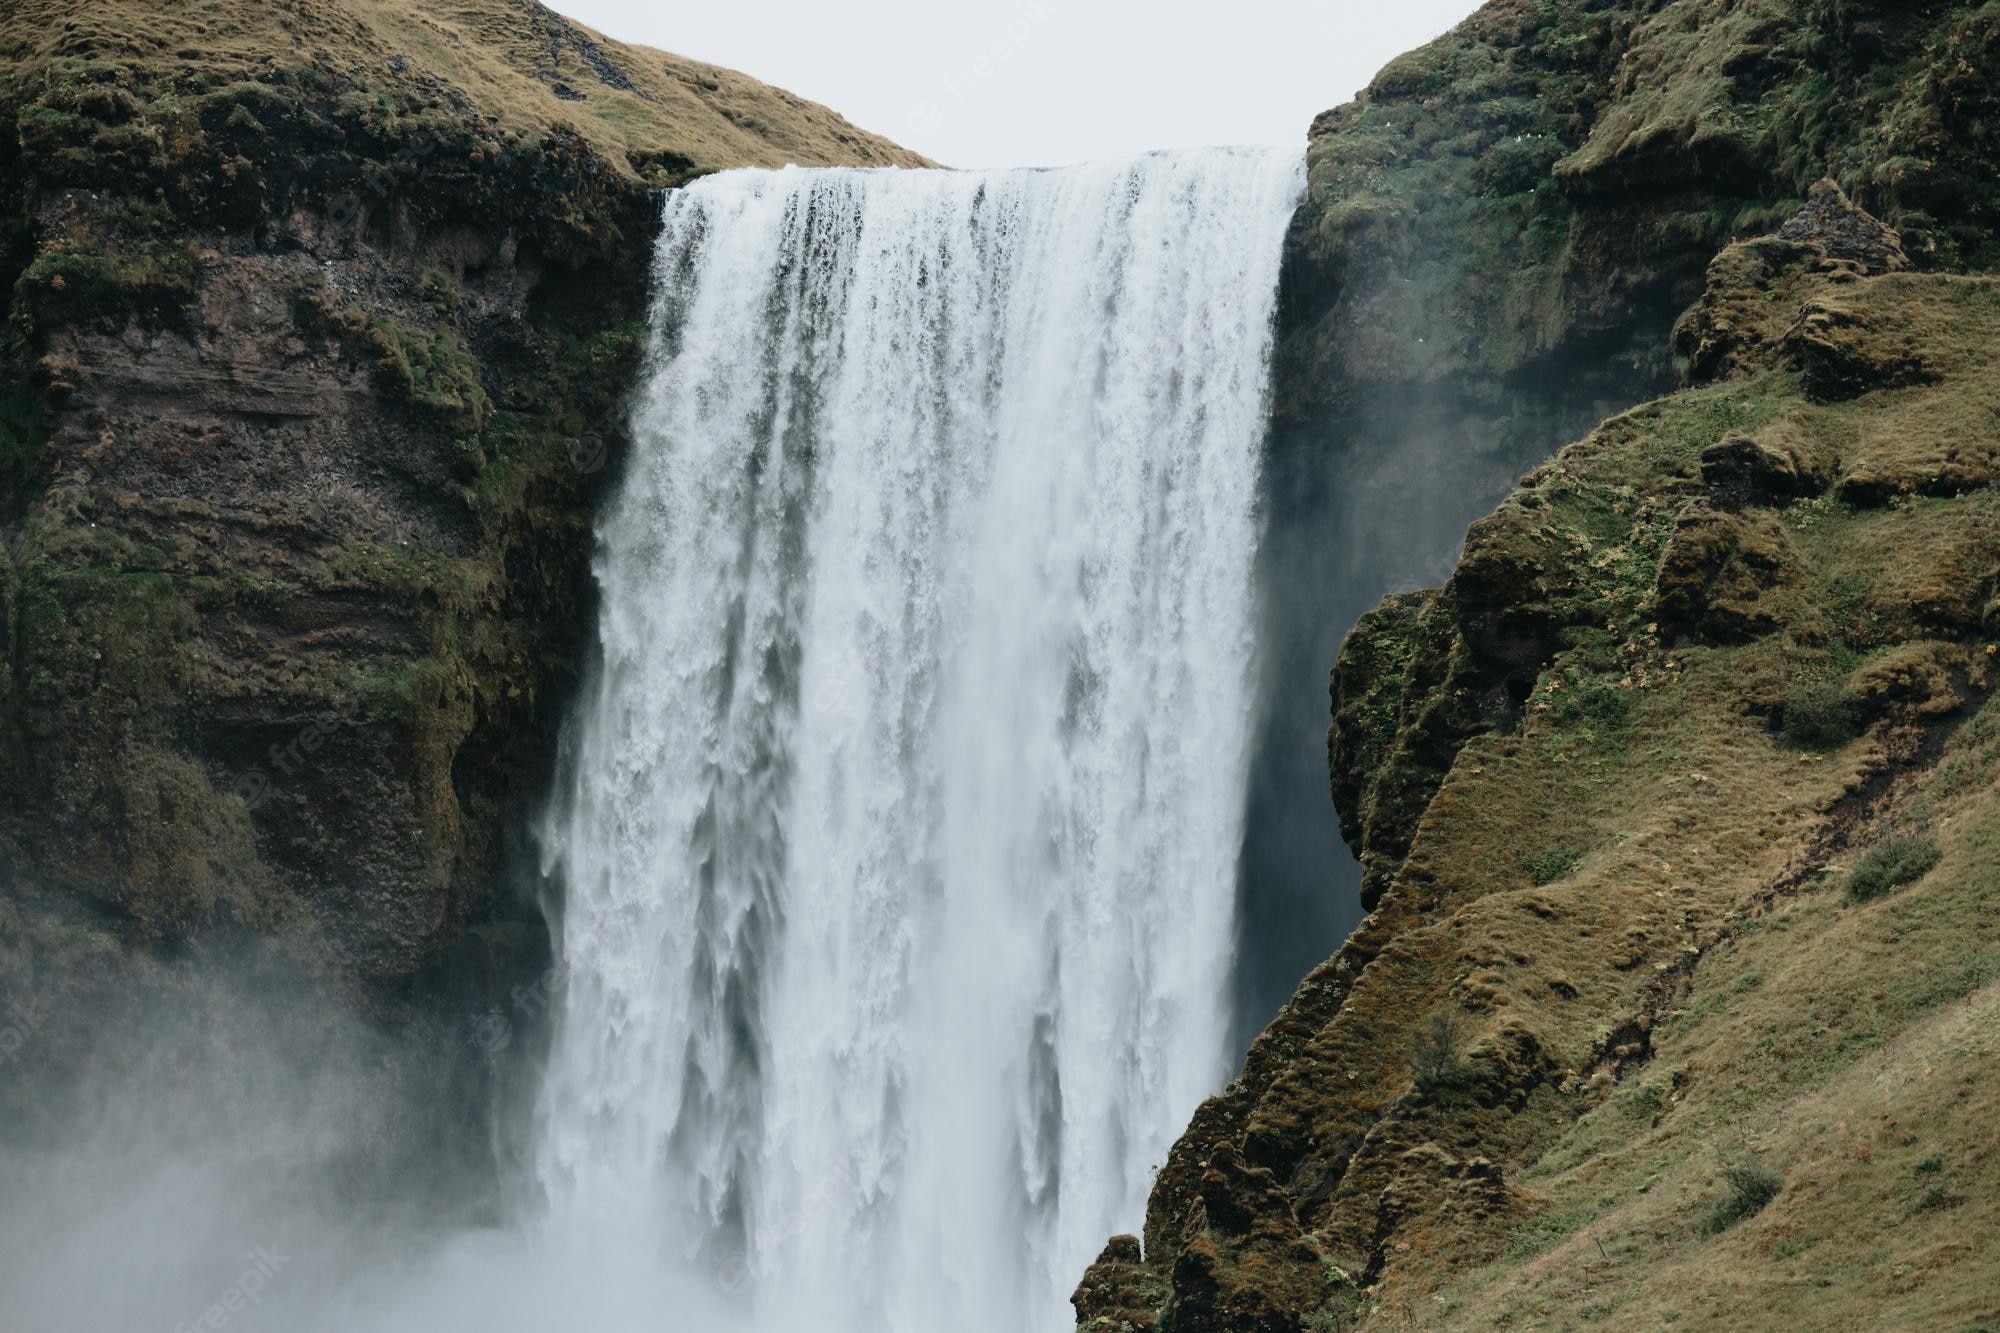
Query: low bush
point(1748, 1186)
point(1889, 865)
point(1437, 1055)
point(1556, 863)
point(1820, 715)
point(1330, 1319)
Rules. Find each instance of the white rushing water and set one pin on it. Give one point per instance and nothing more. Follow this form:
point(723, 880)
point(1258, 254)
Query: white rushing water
point(899, 848)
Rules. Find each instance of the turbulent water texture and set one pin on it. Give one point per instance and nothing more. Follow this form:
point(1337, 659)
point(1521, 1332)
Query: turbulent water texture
point(899, 850)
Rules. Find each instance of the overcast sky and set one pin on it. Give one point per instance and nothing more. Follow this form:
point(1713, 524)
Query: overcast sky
point(1044, 82)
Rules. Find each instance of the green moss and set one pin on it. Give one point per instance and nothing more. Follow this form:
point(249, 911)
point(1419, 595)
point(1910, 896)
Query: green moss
point(434, 373)
point(562, 390)
point(85, 279)
point(395, 691)
point(430, 371)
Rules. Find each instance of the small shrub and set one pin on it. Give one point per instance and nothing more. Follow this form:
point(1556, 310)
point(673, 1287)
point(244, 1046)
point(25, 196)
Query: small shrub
point(1591, 700)
point(1891, 864)
point(1820, 715)
point(1437, 1055)
point(1647, 1100)
point(1329, 1319)
point(1539, 1234)
point(1556, 863)
point(1748, 1187)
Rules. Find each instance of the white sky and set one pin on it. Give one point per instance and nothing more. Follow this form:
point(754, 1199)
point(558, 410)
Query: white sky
point(1046, 82)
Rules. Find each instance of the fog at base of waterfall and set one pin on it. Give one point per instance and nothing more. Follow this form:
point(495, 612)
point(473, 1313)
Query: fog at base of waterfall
point(898, 844)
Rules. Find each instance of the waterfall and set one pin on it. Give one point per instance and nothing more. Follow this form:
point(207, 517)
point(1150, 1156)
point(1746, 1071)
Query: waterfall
point(899, 839)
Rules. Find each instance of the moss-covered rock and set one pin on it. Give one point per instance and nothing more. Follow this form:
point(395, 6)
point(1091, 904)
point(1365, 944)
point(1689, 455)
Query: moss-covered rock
point(320, 339)
point(1572, 773)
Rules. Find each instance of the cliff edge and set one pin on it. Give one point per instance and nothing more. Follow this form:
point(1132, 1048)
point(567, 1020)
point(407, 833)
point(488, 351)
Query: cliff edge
point(1675, 801)
point(322, 318)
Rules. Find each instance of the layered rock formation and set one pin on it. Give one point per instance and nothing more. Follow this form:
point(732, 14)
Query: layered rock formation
point(1697, 676)
point(322, 317)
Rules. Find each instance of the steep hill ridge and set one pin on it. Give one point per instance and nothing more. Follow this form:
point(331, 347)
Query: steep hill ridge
point(1498, 238)
point(1674, 802)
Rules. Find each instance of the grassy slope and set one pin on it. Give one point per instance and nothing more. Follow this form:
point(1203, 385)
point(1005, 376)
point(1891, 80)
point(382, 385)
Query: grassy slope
point(1563, 770)
point(514, 62)
point(1614, 779)
point(1691, 987)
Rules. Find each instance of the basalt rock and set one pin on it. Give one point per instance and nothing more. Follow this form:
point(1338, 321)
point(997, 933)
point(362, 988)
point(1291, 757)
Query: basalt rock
point(316, 369)
point(1742, 469)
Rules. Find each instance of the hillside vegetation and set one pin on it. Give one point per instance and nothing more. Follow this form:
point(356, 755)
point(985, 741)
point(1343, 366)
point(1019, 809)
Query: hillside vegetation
point(517, 70)
point(1675, 802)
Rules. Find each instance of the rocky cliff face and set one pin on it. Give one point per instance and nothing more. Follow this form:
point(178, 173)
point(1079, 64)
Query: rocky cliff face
point(322, 316)
point(1499, 237)
point(1637, 1028)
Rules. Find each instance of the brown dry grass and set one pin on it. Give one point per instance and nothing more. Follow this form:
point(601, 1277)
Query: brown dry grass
point(1849, 1048)
point(507, 59)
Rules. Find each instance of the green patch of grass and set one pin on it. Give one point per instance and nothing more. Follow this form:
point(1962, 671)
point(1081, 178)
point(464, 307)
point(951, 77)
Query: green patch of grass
point(85, 280)
point(430, 371)
point(1891, 864)
point(1556, 863)
point(433, 373)
point(1647, 1099)
point(1819, 715)
point(1846, 604)
point(1542, 1233)
point(1591, 700)
point(1969, 761)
